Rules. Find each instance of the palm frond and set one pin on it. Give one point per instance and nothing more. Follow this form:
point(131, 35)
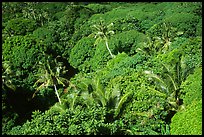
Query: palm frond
point(41, 86)
point(121, 102)
point(72, 99)
point(161, 82)
point(97, 41)
point(113, 97)
point(157, 92)
point(62, 81)
point(59, 107)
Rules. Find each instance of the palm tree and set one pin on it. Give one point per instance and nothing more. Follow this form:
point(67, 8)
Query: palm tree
point(170, 83)
point(101, 33)
point(50, 77)
point(112, 99)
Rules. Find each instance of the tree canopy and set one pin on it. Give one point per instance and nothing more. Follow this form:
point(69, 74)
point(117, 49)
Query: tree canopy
point(108, 68)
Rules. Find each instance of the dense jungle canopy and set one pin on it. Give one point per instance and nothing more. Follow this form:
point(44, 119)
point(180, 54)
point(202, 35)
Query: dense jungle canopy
point(101, 68)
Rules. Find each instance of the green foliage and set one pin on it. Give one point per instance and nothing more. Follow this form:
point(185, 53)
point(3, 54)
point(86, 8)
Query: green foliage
point(7, 76)
point(185, 22)
point(9, 117)
point(121, 65)
point(76, 122)
point(50, 74)
point(123, 42)
point(145, 112)
point(22, 52)
point(142, 80)
point(8, 122)
point(86, 48)
point(188, 121)
point(126, 23)
point(98, 8)
point(43, 35)
point(11, 10)
point(192, 52)
point(191, 89)
point(102, 32)
point(84, 14)
point(100, 57)
point(127, 41)
point(20, 26)
point(199, 28)
point(90, 92)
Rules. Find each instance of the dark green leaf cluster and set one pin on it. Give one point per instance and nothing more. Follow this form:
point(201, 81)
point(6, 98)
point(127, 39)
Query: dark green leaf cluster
point(67, 122)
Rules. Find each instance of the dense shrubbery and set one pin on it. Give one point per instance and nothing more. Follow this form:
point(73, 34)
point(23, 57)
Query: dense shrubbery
point(138, 68)
point(188, 121)
point(77, 58)
point(57, 121)
point(192, 87)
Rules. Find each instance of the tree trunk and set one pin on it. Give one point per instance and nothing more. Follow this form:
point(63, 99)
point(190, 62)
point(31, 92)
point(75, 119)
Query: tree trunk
point(57, 94)
point(109, 49)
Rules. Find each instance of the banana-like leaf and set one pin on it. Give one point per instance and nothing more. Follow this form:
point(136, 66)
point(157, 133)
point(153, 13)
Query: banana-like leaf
point(114, 97)
point(162, 83)
point(97, 41)
point(121, 102)
point(61, 81)
point(157, 92)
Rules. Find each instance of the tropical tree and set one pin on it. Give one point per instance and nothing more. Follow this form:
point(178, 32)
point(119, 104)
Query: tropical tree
point(160, 36)
point(112, 99)
point(102, 32)
point(172, 77)
point(50, 75)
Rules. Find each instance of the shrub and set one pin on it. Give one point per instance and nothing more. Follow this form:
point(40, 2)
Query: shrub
point(145, 112)
point(82, 52)
point(20, 26)
point(199, 28)
point(22, 52)
point(185, 22)
point(130, 40)
point(43, 35)
point(121, 65)
point(191, 89)
point(192, 52)
point(58, 121)
point(188, 121)
point(99, 8)
point(127, 41)
point(100, 57)
point(126, 23)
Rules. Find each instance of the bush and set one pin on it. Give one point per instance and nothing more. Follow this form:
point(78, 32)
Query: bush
point(191, 89)
point(100, 57)
point(185, 22)
point(127, 41)
point(199, 28)
point(82, 52)
point(145, 111)
point(121, 65)
point(99, 8)
point(188, 121)
point(59, 121)
point(23, 53)
point(20, 26)
point(192, 50)
point(123, 42)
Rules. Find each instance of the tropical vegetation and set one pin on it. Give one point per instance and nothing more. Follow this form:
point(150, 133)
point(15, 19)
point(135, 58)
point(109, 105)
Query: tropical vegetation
point(108, 68)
